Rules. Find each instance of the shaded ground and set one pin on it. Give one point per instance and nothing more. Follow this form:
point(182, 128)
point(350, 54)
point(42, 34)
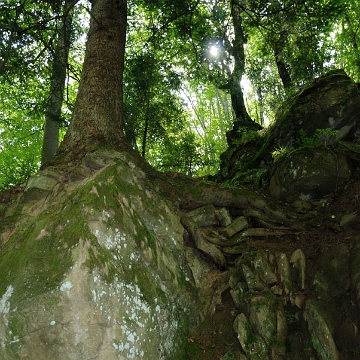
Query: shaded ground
point(321, 229)
point(216, 337)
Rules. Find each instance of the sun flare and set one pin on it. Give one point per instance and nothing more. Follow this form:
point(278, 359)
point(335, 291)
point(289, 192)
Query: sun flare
point(214, 50)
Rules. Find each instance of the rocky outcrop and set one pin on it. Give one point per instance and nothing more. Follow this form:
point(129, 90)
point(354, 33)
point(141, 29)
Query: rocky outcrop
point(94, 268)
point(283, 310)
point(98, 262)
point(309, 174)
point(330, 102)
point(273, 313)
point(310, 150)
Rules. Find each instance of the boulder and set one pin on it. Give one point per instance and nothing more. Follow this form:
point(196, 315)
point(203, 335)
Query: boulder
point(263, 316)
point(254, 346)
point(309, 174)
point(204, 216)
point(322, 114)
point(96, 269)
point(223, 216)
point(299, 262)
point(283, 268)
point(252, 280)
point(330, 102)
point(239, 293)
point(236, 226)
point(321, 336)
point(263, 269)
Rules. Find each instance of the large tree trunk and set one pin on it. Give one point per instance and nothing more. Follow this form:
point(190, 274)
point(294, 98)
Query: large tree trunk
point(97, 119)
point(57, 83)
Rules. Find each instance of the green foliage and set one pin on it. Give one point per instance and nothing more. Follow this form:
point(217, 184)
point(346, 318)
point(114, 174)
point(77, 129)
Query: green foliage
point(173, 76)
point(20, 131)
point(246, 135)
point(178, 153)
point(151, 105)
point(279, 153)
point(322, 137)
point(25, 71)
point(210, 118)
point(166, 59)
point(290, 43)
point(345, 40)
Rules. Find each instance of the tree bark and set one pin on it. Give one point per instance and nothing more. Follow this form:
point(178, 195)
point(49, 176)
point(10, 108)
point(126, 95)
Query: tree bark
point(237, 97)
point(97, 120)
point(146, 128)
point(57, 84)
point(261, 105)
point(282, 68)
point(243, 120)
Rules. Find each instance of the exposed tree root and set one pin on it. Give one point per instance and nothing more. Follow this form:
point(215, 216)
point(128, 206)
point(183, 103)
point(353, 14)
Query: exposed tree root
point(188, 194)
point(252, 232)
point(200, 242)
point(272, 219)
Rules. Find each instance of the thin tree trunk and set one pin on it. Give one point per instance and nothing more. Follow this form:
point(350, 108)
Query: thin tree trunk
point(237, 97)
point(198, 116)
point(97, 120)
point(243, 120)
point(57, 84)
point(226, 106)
point(282, 68)
point(261, 105)
point(146, 128)
point(219, 106)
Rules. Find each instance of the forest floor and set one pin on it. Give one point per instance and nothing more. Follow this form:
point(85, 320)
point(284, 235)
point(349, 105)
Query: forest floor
point(321, 229)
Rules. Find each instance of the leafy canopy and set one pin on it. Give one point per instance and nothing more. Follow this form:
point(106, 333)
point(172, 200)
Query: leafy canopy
point(179, 55)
